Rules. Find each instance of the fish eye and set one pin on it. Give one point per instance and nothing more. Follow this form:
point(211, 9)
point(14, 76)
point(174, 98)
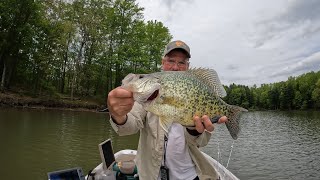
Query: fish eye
point(141, 76)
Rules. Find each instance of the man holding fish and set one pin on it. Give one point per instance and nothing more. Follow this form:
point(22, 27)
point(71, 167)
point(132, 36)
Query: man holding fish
point(172, 127)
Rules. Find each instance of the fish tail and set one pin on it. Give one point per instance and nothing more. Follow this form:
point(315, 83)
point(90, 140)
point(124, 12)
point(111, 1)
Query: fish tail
point(233, 120)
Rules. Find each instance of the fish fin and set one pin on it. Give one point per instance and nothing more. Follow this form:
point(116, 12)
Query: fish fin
point(209, 77)
point(166, 113)
point(165, 123)
point(233, 120)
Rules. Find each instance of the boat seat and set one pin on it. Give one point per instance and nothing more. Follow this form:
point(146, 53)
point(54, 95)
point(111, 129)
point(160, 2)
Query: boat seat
point(127, 167)
point(126, 170)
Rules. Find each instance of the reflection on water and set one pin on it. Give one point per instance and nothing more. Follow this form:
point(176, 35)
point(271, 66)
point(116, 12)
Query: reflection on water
point(272, 145)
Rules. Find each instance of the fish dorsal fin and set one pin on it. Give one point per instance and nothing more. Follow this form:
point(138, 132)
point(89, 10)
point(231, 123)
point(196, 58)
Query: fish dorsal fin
point(210, 78)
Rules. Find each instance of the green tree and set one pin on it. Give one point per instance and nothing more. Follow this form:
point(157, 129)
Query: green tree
point(18, 25)
point(157, 36)
point(316, 94)
point(274, 96)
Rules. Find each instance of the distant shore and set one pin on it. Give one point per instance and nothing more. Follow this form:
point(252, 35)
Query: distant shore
point(15, 100)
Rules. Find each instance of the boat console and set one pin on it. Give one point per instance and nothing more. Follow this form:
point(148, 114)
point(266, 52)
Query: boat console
point(73, 173)
point(118, 166)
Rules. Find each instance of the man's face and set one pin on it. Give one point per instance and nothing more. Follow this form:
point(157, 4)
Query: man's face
point(175, 61)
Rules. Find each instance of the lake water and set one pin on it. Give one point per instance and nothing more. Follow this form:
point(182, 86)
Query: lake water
point(272, 145)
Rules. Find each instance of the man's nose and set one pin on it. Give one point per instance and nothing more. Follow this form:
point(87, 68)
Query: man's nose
point(175, 67)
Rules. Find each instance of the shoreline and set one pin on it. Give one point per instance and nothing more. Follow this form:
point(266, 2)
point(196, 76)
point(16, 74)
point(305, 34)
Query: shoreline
point(14, 100)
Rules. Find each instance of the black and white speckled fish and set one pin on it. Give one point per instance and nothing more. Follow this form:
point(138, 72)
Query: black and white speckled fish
point(176, 96)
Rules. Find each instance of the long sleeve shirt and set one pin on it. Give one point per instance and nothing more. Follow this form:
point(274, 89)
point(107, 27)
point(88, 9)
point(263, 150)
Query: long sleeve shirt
point(151, 144)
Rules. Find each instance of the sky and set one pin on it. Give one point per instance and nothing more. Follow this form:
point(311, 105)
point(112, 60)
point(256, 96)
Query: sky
point(246, 41)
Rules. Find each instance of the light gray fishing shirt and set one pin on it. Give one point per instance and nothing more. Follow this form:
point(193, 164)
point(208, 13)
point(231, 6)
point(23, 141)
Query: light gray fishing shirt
point(151, 144)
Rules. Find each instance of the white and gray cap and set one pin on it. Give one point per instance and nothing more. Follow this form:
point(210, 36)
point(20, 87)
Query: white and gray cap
point(177, 45)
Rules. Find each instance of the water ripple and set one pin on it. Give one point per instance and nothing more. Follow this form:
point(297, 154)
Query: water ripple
point(272, 145)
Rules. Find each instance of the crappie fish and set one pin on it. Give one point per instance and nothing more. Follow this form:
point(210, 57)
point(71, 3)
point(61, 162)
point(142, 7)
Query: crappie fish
point(177, 96)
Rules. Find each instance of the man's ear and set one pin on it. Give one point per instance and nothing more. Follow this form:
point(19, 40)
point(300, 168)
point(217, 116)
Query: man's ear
point(188, 65)
point(162, 61)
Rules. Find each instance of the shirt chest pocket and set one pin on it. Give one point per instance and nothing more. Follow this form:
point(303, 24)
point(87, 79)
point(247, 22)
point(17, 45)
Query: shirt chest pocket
point(152, 124)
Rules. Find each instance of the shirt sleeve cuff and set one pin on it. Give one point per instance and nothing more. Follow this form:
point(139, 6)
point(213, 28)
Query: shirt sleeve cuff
point(115, 125)
point(193, 132)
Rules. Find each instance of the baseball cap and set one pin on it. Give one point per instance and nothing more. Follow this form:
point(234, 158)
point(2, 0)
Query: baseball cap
point(177, 45)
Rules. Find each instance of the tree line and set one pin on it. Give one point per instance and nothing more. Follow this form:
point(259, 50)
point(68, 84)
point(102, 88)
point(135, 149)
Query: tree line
point(302, 92)
point(86, 47)
point(79, 47)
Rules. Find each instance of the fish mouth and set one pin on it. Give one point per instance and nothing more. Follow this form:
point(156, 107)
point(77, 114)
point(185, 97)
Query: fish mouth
point(153, 95)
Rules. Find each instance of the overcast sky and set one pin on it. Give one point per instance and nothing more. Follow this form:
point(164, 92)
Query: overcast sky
point(246, 41)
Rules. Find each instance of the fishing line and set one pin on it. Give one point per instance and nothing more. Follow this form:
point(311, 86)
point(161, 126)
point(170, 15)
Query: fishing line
point(229, 157)
point(220, 165)
point(219, 157)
